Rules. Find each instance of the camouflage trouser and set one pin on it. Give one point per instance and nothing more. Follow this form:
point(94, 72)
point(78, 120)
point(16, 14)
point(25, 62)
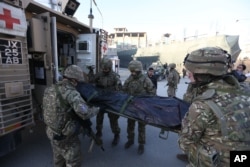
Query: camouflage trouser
point(171, 91)
point(66, 152)
point(113, 119)
point(141, 131)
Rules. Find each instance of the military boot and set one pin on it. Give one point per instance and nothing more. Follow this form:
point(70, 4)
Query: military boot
point(98, 136)
point(116, 140)
point(129, 143)
point(140, 149)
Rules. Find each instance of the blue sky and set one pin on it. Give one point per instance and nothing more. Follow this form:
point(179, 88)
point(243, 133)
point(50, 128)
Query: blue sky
point(178, 17)
point(168, 16)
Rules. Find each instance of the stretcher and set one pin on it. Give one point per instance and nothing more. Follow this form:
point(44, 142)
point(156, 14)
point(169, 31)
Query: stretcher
point(165, 113)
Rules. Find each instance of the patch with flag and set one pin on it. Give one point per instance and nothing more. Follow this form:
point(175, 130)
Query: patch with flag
point(12, 20)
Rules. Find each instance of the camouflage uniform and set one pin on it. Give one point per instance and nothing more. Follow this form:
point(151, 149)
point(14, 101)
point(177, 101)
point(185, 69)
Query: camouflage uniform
point(218, 119)
point(108, 81)
point(192, 92)
point(59, 102)
point(184, 72)
point(173, 79)
point(137, 85)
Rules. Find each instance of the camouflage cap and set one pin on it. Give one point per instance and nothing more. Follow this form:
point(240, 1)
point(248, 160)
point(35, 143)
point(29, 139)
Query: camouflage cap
point(74, 72)
point(135, 65)
point(208, 60)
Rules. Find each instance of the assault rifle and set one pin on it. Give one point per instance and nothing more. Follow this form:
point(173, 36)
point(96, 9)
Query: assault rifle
point(86, 125)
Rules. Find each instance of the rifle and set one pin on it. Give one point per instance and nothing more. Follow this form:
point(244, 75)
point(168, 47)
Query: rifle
point(86, 125)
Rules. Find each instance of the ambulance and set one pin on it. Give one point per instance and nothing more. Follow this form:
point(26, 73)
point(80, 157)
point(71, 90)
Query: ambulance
point(36, 44)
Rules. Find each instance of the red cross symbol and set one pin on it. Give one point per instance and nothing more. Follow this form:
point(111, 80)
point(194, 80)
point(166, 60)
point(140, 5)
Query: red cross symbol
point(104, 48)
point(6, 16)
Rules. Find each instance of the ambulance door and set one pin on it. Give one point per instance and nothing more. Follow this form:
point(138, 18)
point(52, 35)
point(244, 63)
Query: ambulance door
point(42, 46)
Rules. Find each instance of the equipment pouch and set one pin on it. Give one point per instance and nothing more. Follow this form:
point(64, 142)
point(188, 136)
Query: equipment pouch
point(71, 128)
point(208, 157)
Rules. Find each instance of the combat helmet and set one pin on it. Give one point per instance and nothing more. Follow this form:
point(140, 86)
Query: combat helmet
point(208, 60)
point(135, 65)
point(106, 63)
point(172, 65)
point(74, 72)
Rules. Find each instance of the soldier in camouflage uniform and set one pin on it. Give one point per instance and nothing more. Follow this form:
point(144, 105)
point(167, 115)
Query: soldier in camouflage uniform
point(137, 84)
point(59, 103)
point(108, 80)
point(218, 119)
point(173, 80)
point(191, 92)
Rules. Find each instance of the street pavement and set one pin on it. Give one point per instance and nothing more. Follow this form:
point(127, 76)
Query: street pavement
point(35, 151)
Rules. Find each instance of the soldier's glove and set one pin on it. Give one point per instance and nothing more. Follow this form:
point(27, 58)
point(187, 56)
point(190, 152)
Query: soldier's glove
point(93, 111)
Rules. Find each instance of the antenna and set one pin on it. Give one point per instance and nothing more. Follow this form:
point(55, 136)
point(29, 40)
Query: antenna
point(99, 12)
point(59, 6)
point(91, 17)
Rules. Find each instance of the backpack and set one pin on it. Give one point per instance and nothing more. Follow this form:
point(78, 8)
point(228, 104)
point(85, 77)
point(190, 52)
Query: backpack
point(54, 114)
point(233, 112)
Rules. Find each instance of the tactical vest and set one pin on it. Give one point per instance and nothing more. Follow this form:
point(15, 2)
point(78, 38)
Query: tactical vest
point(109, 81)
point(137, 86)
point(233, 112)
point(54, 109)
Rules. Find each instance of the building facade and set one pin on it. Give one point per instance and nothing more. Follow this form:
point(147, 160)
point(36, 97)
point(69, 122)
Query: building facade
point(123, 39)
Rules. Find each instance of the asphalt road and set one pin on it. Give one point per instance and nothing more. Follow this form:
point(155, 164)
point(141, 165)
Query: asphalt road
point(35, 151)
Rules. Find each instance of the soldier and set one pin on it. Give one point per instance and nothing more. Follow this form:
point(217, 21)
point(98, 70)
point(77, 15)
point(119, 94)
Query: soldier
point(137, 84)
point(184, 72)
point(191, 93)
point(59, 103)
point(217, 120)
point(108, 80)
point(173, 79)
